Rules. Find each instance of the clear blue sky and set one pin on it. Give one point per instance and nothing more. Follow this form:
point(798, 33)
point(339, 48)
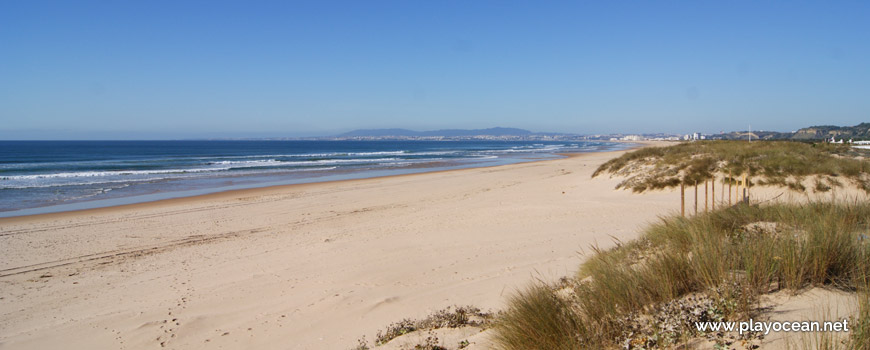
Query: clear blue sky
point(165, 69)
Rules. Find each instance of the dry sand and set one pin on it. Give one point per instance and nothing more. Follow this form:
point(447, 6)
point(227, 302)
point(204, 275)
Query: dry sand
point(311, 266)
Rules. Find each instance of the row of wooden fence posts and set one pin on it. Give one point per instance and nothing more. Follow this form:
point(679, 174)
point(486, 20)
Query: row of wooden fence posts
point(742, 191)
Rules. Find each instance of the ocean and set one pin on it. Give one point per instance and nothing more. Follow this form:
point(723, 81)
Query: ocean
point(52, 176)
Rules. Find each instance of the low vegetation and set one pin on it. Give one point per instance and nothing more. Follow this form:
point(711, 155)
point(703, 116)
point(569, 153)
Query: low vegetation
point(450, 317)
point(710, 267)
point(777, 163)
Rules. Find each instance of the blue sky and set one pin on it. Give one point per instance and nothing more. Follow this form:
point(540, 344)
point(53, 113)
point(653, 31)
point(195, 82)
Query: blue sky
point(167, 69)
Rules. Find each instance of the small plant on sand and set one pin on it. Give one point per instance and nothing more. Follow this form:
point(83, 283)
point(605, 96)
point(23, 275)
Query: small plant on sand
point(395, 330)
point(430, 343)
point(362, 344)
point(450, 317)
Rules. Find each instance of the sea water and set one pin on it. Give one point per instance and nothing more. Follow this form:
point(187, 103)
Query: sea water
point(50, 176)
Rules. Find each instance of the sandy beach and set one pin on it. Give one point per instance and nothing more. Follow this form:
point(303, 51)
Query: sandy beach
point(312, 266)
point(418, 175)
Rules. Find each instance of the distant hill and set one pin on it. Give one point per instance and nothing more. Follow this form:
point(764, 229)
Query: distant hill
point(379, 133)
point(756, 135)
point(857, 132)
point(860, 131)
point(444, 132)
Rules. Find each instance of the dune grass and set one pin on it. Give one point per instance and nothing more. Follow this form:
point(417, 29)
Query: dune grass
point(861, 324)
point(711, 267)
point(778, 163)
point(539, 319)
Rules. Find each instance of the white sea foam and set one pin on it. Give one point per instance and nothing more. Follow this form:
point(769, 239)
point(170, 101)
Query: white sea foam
point(310, 155)
point(266, 162)
point(227, 165)
point(234, 161)
point(526, 149)
point(217, 165)
point(341, 161)
point(354, 154)
point(434, 153)
point(30, 181)
point(110, 173)
point(377, 153)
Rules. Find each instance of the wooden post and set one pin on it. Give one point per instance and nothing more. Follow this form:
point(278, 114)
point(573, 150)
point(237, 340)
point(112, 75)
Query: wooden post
point(713, 193)
point(748, 190)
point(696, 197)
point(705, 197)
point(730, 179)
point(745, 190)
point(682, 199)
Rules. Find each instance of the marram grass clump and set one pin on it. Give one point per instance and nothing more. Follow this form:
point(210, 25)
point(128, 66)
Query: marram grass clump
point(648, 293)
point(538, 318)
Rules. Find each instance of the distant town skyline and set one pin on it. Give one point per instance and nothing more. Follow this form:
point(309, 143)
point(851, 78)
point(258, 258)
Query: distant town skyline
point(170, 70)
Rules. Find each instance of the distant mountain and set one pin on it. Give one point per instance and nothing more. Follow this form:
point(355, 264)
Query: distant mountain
point(379, 133)
point(444, 132)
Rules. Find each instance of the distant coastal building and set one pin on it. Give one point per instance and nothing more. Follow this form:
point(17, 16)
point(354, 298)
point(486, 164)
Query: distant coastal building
point(667, 138)
point(694, 137)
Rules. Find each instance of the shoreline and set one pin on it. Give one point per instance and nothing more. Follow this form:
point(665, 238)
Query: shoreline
point(83, 178)
point(310, 266)
point(256, 190)
point(227, 194)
